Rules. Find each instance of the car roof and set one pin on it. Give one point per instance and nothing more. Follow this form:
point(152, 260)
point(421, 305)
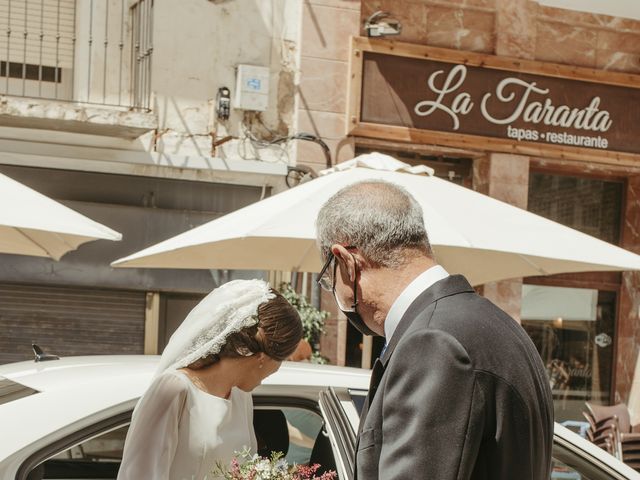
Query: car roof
point(59, 374)
point(74, 389)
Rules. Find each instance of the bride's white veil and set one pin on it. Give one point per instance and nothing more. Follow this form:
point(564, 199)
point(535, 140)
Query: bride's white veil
point(226, 310)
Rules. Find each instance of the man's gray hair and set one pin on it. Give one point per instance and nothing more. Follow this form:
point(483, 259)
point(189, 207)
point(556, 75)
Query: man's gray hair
point(380, 218)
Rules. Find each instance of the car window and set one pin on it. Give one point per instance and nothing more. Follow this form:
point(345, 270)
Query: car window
point(295, 431)
point(97, 457)
point(568, 464)
point(304, 428)
point(561, 471)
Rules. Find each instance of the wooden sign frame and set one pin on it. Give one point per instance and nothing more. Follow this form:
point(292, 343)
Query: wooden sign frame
point(394, 133)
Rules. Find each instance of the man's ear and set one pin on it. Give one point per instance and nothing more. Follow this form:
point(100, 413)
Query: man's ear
point(345, 259)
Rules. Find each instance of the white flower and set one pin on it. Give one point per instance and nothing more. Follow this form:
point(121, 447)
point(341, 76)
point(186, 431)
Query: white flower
point(281, 466)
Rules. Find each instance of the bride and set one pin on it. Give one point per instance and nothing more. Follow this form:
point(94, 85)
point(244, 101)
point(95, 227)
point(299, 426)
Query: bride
point(198, 409)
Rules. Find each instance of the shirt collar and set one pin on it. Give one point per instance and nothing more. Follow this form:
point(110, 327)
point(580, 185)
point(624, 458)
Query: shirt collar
point(423, 281)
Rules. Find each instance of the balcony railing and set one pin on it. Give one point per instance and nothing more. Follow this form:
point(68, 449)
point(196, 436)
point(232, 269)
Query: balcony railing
point(85, 51)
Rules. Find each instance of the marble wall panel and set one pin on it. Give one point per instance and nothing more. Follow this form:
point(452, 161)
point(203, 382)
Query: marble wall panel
point(460, 29)
point(571, 17)
point(618, 51)
point(461, 24)
point(586, 19)
point(618, 61)
point(323, 84)
point(326, 31)
point(567, 36)
point(481, 170)
point(619, 41)
point(509, 178)
point(330, 127)
point(311, 154)
point(516, 28)
point(505, 177)
point(570, 45)
point(617, 23)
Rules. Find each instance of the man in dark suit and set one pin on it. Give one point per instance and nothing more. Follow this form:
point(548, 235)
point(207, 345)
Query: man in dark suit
point(460, 391)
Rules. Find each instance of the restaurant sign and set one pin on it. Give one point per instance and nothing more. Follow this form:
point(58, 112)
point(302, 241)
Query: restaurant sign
point(482, 101)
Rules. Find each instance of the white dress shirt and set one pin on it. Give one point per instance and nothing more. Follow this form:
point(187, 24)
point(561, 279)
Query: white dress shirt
point(423, 281)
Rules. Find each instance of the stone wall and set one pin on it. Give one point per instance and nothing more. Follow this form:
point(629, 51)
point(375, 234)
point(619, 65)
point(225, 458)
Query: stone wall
point(324, 48)
point(523, 28)
point(197, 48)
point(515, 28)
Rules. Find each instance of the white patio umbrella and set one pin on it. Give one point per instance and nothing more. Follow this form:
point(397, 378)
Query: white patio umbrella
point(33, 224)
point(473, 234)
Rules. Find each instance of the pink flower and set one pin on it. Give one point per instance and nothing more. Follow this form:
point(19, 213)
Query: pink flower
point(253, 467)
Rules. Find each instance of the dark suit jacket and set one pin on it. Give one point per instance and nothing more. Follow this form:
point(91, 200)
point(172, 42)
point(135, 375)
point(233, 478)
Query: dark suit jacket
point(460, 393)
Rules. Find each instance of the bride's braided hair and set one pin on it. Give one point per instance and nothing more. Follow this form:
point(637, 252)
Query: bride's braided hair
point(277, 334)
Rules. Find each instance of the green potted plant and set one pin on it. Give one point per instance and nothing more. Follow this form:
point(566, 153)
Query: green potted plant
point(313, 321)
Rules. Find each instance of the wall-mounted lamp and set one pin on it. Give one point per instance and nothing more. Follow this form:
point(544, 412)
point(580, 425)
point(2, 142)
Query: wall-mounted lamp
point(380, 24)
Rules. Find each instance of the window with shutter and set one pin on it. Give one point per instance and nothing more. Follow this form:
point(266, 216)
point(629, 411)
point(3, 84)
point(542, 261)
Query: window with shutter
point(37, 32)
point(89, 52)
point(37, 47)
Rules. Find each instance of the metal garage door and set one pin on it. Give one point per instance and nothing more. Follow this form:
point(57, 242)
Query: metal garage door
point(69, 321)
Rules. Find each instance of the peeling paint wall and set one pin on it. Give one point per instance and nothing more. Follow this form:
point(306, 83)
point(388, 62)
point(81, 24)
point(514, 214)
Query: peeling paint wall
point(197, 48)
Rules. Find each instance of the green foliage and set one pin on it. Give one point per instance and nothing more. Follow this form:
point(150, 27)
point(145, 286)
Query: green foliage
point(312, 319)
point(316, 357)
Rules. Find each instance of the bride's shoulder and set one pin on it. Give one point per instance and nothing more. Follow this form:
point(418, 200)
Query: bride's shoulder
point(171, 382)
point(165, 392)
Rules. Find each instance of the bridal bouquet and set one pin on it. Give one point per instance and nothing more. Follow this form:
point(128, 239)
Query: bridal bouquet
point(253, 467)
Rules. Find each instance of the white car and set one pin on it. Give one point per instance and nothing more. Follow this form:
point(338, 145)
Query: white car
point(68, 418)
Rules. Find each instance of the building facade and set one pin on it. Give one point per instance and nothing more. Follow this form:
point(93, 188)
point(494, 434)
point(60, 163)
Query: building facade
point(590, 185)
point(154, 116)
point(123, 111)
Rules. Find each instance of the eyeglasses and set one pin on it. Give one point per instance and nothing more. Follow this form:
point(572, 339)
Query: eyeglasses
point(326, 280)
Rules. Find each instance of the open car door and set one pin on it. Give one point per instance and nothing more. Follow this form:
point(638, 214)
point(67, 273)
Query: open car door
point(340, 410)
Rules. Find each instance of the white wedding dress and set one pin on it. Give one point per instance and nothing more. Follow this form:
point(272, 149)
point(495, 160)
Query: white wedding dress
point(179, 432)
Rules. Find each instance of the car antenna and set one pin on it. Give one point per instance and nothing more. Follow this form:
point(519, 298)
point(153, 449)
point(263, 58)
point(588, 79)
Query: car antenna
point(41, 356)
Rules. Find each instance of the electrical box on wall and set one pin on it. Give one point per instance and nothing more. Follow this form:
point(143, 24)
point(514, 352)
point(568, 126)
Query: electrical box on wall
point(252, 88)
